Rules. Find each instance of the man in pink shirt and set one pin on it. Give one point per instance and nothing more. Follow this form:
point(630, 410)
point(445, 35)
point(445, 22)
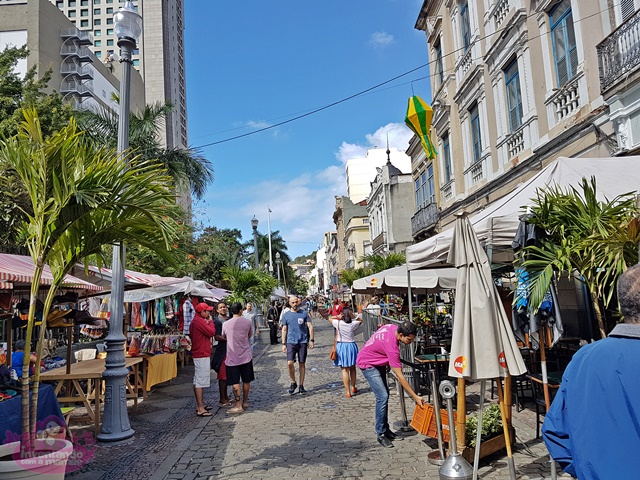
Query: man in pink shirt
point(379, 353)
point(238, 332)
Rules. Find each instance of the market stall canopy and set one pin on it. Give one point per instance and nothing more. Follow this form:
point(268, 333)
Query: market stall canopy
point(102, 276)
point(434, 280)
point(18, 269)
point(497, 224)
point(184, 285)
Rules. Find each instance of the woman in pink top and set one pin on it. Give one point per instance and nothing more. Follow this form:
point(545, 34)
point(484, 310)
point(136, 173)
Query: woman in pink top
point(379, 353)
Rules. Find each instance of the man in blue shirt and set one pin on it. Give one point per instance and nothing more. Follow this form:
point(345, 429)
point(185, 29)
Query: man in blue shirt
point(297, 334)
point(592, 428)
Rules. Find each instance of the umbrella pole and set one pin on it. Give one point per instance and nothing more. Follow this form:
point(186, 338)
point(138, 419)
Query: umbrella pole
point(506, 429)
point(508, 397)
point(476, 453)
point(461, 418)
point(545, 384)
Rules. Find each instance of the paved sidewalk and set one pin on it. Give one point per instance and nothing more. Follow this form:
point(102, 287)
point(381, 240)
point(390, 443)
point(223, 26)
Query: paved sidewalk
point(320, 435)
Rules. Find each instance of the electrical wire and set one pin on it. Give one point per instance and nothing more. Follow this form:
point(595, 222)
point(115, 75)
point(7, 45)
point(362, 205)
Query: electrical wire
point(370, 90)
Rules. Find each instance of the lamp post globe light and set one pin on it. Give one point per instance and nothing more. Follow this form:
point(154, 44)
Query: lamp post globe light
point(254, 225)
point(278, 263)
point(127, 24)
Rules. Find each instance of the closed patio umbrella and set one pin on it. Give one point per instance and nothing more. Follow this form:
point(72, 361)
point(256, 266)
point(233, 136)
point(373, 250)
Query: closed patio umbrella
point(483, 345)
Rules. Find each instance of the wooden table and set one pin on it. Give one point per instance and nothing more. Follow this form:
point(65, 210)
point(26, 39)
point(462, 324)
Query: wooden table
point(91, 372)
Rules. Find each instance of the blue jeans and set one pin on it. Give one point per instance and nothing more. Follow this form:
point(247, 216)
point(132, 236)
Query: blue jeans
point(377, 379)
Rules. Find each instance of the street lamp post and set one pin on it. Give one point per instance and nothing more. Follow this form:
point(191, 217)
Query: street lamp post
point(127, 24)
point(278, 263)
point(269, 228)
point(254, 225)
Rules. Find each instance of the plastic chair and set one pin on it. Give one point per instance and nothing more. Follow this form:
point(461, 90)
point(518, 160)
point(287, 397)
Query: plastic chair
point(66, 415)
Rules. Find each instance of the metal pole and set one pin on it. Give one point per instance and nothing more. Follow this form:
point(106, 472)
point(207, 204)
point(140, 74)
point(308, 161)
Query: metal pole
point(255, 247)
point(269, 228)
point(115, 425)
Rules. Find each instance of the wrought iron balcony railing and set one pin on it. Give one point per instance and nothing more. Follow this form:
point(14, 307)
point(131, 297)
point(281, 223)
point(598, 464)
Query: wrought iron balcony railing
point(619, 53)
point(424, 219)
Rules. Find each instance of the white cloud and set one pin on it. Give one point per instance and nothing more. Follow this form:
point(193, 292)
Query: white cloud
point(302, 207)
point(381, 39)
point(398, 134)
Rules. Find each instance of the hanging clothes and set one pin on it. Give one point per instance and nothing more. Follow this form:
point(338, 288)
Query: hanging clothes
point(136, 316)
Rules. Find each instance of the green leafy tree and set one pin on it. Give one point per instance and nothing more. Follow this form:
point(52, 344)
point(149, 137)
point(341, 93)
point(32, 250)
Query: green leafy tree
point(215, 249)
point(29, 92)
point(248, 285)
point(378, 263)
point(189, 169)
point(18, 93)
point(80, 199)
point(347, 277)
point(597, 239)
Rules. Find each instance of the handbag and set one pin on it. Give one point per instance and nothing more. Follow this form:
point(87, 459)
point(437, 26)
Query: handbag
point(333, 354)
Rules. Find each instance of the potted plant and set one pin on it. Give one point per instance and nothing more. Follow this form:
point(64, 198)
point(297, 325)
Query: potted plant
point(81, 199)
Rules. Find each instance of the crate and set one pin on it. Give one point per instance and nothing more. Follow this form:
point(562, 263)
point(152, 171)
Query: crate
point(424, 421)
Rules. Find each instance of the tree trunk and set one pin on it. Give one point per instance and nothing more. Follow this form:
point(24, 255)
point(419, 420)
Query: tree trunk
point(28, 443)
point(598, 309)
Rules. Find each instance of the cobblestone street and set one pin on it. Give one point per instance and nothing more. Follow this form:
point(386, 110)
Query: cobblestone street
point(320, 435)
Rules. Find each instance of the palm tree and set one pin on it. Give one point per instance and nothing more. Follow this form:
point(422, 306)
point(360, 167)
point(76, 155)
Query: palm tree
point(248, 285)
point(378, 263)
point(597, 239)
point(278, 245)
point(81, 199)
point(188, 168)
point(349, 276)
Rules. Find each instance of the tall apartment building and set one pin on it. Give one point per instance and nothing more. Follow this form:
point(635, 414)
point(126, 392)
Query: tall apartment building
point(516, 84)
point(161, 63)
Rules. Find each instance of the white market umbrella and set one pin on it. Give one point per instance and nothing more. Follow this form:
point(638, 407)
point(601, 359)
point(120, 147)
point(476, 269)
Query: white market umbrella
point(434, 280)
point(483, 345)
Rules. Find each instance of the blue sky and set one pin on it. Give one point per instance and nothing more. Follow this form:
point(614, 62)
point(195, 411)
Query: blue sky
point(252, 64)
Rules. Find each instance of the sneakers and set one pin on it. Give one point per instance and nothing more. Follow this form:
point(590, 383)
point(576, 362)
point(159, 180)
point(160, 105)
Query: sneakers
point(384, 441)
point(302, 390)
point(292, 388)
point(391, 435)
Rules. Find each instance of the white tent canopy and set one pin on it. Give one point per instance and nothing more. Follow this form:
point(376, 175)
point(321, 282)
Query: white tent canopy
point(497, 224)
point(396, 279)
point(185, 285)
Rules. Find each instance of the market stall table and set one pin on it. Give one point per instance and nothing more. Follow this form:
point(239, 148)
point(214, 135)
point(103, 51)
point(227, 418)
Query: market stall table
point(11, 413)
point(158, 369)
point(91, 396)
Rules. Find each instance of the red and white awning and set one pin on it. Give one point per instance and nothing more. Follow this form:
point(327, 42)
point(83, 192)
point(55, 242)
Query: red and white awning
point(131, 277)
point(19, 269)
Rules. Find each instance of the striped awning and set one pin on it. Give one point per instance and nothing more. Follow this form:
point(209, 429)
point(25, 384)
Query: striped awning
point(19, 269)
point(132, 277)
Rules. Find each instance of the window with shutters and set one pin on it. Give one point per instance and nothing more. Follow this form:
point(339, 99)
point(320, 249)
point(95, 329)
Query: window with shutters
point(416, 184)
point(476, 140)
point(627, 8)
point(514, 99)
point(465, 26)
point(446, 158)
point(439, 70)
point(565, 54)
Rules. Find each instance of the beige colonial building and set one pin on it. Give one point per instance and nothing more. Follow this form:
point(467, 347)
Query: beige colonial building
point(516, 84)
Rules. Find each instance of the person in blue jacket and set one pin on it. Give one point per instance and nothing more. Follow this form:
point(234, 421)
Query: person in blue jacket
point(593, 426)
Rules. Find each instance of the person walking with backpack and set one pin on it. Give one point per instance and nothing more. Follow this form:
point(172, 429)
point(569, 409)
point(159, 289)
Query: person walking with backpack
point(272, 321)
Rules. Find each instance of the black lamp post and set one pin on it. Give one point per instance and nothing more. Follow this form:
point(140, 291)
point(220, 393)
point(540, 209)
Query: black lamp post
point(127, 23)
point(254, 225)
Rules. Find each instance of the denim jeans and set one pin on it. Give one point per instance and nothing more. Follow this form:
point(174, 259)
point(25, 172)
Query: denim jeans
point(377, 378)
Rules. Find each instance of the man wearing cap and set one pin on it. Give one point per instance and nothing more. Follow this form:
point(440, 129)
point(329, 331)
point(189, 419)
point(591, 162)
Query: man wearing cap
point(201, 331)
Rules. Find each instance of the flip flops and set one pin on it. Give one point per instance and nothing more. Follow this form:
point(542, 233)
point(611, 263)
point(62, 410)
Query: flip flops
point(204, 414)
point(237, 409)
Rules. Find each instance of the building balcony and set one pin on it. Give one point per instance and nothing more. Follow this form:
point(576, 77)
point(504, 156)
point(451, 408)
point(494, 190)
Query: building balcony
point(83, 54)
point(424, 219)
point(79, 37)
point(84, 72)
point(350, 264)
point(447, 191)
point(566, 100)
point(379, 242)
point(619, 53)
point(70, 87)
point(515, 142)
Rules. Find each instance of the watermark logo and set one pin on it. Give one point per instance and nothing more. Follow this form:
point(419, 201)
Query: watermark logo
point(50, 447)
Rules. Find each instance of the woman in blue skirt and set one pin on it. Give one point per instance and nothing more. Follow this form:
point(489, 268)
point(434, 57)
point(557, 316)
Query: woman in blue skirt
point(346, 348)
